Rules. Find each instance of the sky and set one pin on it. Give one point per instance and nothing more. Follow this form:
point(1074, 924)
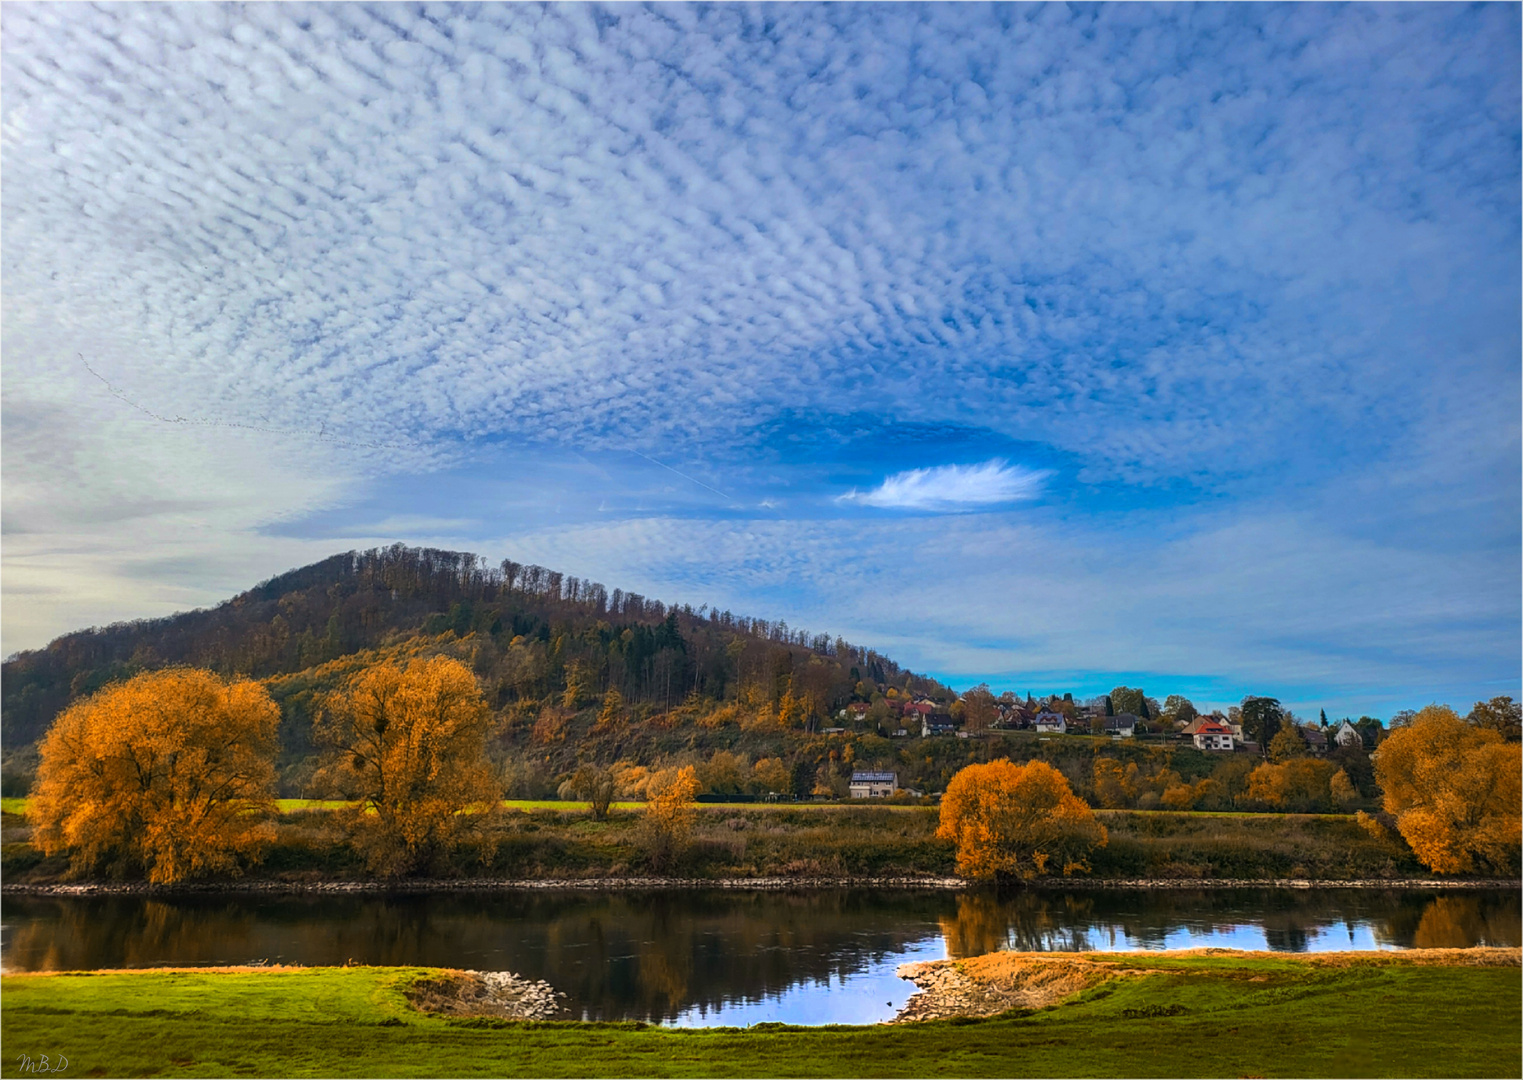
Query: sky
point(1057, 347)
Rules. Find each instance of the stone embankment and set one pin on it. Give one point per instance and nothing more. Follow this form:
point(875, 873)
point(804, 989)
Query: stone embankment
point(762, 884)
point(486, 993)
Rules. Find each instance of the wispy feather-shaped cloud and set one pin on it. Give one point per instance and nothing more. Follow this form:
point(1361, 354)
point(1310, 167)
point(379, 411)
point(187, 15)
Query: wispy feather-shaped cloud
point(953, 488)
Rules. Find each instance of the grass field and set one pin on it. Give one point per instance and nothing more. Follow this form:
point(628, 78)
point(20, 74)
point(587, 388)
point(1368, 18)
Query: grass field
point(19, 805)
point(1222, 1015)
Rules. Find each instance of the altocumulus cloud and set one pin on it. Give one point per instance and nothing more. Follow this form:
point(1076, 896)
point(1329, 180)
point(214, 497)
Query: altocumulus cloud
point(1249, 272)
point(951, 488)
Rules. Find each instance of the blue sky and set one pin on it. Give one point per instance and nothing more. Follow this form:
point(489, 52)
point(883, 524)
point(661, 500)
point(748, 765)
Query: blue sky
point(1053, 346)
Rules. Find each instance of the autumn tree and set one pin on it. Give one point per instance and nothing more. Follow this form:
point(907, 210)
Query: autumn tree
point(980, 709)
point(724, 773)
point(407, 746)
point(669, 813)
point(1342, 790)
point(1287, 743)
point(1016, 821)
point(1298, 783)
point(612, 713)
point(769, 776)
point(576, 686)
point(1454, 790)
point(1502, 715)
point(597, 786)
point(1113, 786)
point(171, 773)
point(1178, 709)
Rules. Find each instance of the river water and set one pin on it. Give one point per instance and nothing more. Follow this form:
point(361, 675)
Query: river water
point(701, 957)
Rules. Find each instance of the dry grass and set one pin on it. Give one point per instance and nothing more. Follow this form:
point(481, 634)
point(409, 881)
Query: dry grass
point(1033, 980)
point(451, 993)
point(993, 984)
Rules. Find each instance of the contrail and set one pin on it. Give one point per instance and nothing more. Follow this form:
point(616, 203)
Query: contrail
point(684, 476)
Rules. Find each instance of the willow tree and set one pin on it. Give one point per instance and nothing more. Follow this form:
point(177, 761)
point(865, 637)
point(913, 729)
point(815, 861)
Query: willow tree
point(1017, 821)
point(170, 774)
point(1454, 790)
point(407, 746)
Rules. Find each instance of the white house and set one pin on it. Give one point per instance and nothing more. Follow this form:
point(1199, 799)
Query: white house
point(1121, 727)
point(937, 725)
point(1348, 735)
point(1213, 736)
point(873, 785)
point(1051, 721)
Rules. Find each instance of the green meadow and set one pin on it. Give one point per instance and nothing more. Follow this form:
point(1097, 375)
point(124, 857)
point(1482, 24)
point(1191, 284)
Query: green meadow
point(1200, 1015)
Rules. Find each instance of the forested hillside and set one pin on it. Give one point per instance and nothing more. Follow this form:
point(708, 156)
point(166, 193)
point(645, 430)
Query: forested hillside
point(545, 645)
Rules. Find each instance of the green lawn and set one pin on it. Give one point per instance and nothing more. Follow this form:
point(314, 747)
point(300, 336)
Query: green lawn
point(1234, 1016)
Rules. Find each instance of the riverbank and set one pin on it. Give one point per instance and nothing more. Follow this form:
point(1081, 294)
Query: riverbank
point(763, 884)
point(993, 984)
point(1203, 1014)
point(808, 844)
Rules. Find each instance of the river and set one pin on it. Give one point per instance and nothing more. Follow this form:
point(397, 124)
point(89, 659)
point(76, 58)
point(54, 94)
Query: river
point(698, 957)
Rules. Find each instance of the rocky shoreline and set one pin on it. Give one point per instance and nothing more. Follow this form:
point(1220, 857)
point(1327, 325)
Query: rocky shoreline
point(757, 884)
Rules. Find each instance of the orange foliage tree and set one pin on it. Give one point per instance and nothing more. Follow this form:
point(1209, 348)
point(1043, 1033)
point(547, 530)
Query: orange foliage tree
point(669, 813)
point(1298, 783)
point(1017, 820)
point(171, 773)
point(407, 745)
point(1454, 790)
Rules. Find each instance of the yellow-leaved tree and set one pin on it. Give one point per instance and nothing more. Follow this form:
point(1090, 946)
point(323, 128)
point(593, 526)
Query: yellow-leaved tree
point(170, 774)
point(1455, 792)
point(669, 813)
point(407, 746)
point(1298, 784)
point(1016, 821)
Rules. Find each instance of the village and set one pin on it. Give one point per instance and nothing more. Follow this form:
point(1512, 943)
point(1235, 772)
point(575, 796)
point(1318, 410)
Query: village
point(978, 715)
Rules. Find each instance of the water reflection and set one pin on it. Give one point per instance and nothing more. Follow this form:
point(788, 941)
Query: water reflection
point(726, 957)
point(1280, 920)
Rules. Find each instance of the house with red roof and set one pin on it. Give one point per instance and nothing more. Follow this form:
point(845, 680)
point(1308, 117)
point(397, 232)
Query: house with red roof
point(1210, 735)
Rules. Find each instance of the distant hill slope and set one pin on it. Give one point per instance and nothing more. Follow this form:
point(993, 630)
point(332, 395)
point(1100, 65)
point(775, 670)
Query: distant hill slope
point(536, 636)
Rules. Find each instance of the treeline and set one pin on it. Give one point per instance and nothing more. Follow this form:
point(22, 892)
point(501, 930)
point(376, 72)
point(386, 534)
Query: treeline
point(541, 637)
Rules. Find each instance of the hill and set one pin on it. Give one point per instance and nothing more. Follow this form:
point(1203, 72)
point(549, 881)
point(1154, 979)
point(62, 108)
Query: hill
point(547, 646)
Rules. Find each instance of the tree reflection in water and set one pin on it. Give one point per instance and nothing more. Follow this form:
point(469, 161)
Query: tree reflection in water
point(653, 955)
